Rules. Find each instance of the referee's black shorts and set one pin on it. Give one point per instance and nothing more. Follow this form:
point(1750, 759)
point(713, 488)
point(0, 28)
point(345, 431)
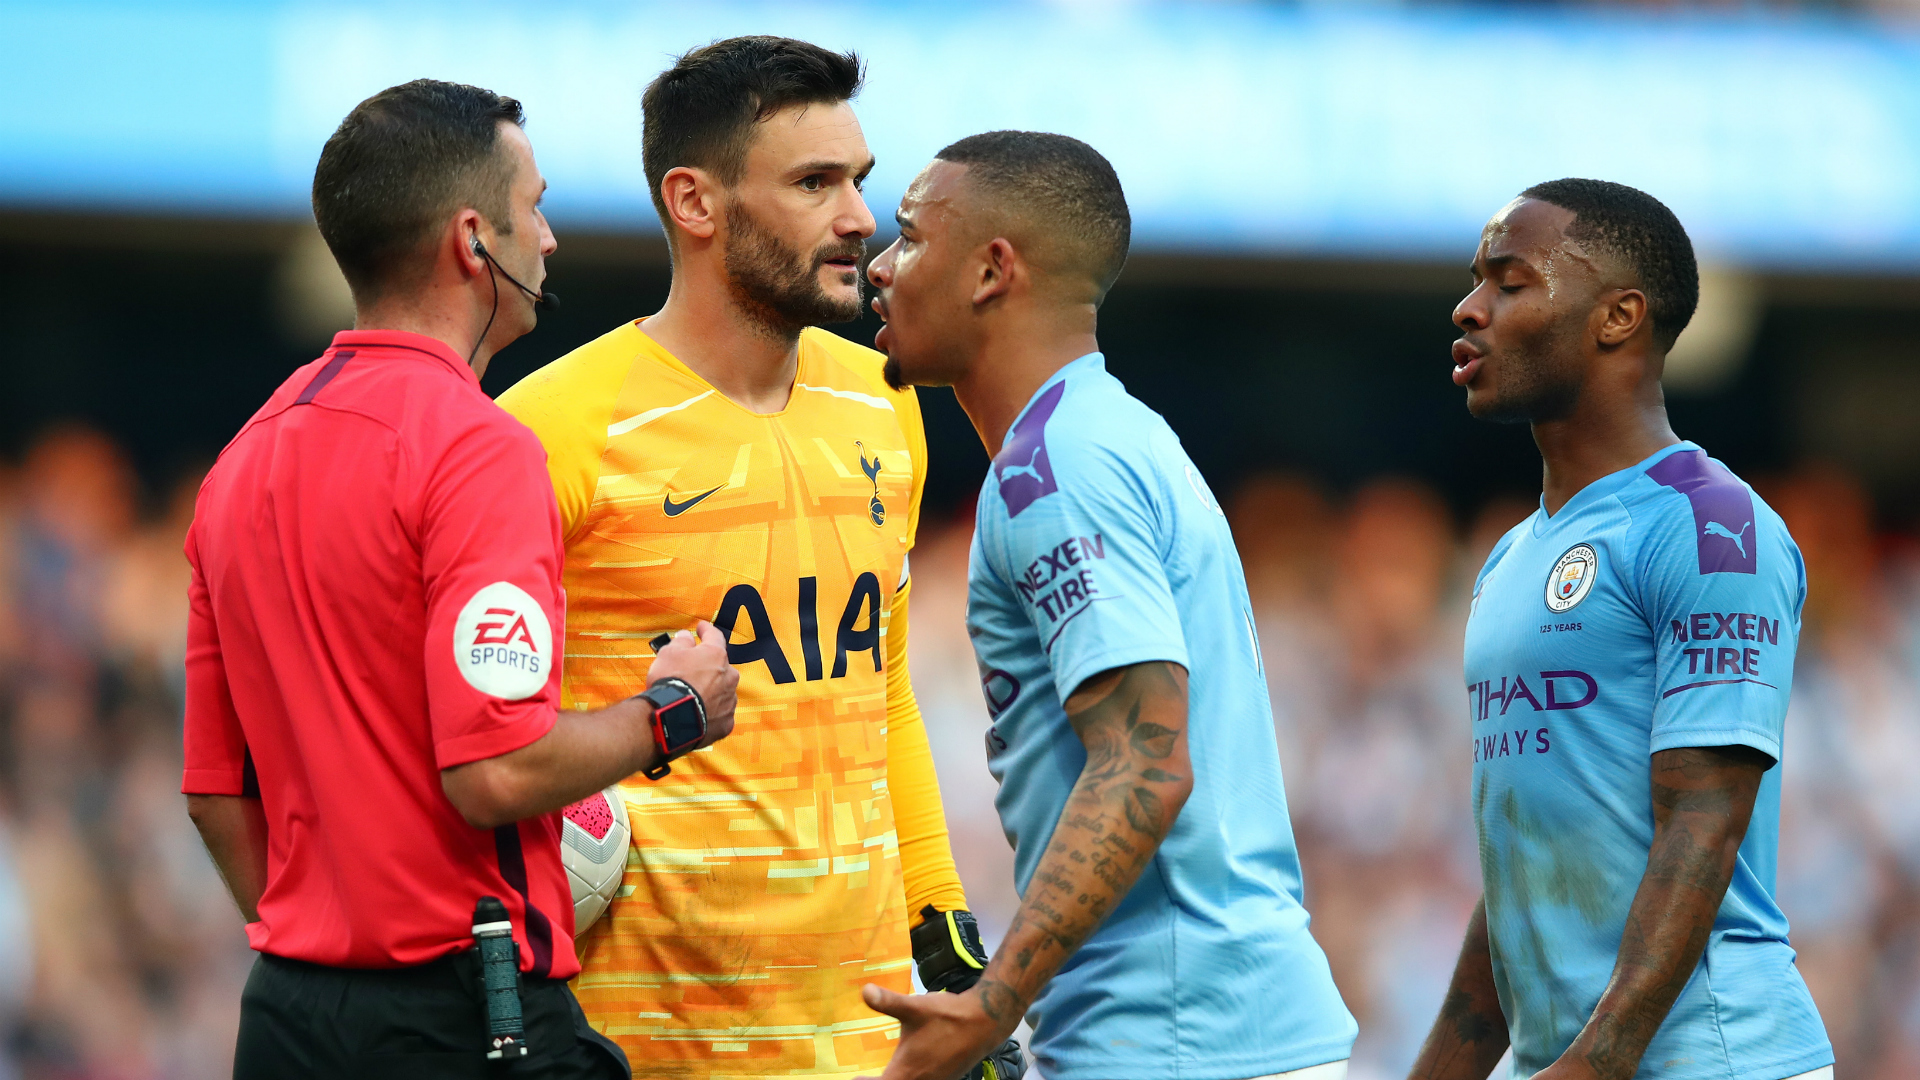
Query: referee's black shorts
point(301, 1021)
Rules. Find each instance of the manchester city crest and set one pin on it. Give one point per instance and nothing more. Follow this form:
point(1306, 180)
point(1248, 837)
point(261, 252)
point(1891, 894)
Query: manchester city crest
point(1572, 578)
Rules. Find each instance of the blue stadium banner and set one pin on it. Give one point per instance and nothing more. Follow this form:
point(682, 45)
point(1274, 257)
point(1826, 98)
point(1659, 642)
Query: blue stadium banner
point(1782, 141)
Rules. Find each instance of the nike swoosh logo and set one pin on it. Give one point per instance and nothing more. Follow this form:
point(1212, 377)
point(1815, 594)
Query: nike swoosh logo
point(674, 509)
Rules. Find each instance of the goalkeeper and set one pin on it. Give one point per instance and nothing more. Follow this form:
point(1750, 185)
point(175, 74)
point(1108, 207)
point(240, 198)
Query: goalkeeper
point(726, 459)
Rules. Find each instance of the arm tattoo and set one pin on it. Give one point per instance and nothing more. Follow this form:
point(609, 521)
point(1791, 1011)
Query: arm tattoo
point(1000, 1003)
point(1133, 721)
point(1702, 800)
point(1144, 810)
point(1471, 1032)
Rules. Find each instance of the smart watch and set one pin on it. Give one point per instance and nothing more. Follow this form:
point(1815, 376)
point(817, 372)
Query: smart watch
point(679, 721)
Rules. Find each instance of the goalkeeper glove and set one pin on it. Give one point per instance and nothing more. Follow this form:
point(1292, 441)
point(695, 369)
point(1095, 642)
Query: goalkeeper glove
point(950, 956)
point(947, 949)
point(1005, 1063)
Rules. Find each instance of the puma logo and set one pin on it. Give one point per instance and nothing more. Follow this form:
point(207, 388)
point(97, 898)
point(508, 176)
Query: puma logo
point(1029, 469)
point(1714, 528)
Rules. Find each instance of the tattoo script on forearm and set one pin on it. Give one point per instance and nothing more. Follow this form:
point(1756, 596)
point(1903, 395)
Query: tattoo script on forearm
point(1133, 721)
point(1702, 800)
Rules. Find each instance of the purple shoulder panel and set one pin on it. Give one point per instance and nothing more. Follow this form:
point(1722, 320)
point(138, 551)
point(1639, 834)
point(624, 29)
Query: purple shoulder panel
point(1723, 521)
point(1022, 467)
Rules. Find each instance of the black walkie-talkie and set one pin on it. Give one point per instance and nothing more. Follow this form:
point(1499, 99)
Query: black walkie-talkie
point(500, 975)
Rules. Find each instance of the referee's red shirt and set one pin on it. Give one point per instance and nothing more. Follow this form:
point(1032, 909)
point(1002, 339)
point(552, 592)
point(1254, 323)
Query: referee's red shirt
point(376, 597)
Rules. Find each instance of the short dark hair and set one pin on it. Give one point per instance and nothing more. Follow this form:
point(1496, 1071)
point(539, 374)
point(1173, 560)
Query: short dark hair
point(1638, 229)
point(700, 112)
point(1060, 184)
point(399, 164)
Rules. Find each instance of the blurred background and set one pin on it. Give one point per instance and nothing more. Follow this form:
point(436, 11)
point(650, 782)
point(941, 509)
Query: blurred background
point(1308, 182)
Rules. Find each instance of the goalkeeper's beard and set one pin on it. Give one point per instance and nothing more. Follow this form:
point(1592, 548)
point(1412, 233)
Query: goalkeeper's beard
point(777, 286)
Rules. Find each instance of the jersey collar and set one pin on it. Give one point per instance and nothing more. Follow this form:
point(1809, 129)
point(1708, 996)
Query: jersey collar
point(1604, 487)
point(1093, 361)
point(802, 369)
point(405, 341)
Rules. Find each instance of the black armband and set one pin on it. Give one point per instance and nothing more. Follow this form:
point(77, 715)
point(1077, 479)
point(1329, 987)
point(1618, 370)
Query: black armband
point(947, 950)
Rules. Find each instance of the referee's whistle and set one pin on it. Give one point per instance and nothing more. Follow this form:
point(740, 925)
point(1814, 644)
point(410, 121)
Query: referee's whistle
point(500, 975)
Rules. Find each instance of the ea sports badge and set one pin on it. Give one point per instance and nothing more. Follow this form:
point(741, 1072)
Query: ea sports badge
point(1572, 578)
point(502, 642)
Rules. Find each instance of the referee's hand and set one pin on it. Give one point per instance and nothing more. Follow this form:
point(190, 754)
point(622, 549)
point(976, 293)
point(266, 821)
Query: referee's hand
point(702, 662)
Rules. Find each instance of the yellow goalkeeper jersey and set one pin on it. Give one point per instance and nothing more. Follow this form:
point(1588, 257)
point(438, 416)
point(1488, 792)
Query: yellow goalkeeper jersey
point(772, 874)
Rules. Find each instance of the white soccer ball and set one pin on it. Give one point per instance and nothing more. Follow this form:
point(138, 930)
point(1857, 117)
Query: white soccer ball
point(593, 847)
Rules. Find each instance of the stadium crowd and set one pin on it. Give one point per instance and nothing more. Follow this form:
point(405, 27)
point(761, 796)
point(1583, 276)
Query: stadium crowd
point(121, 957)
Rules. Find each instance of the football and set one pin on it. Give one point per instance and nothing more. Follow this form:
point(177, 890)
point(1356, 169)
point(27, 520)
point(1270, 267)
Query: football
point(593, 847)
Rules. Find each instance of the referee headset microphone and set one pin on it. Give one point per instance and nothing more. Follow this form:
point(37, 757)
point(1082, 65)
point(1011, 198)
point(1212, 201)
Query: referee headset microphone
point(543, 301)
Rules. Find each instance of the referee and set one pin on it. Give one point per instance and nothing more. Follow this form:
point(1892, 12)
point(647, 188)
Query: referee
point(372, 742)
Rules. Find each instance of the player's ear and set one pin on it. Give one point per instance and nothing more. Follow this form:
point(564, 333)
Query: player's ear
point(692, 201)
point(999, 265)
point(1622, 315)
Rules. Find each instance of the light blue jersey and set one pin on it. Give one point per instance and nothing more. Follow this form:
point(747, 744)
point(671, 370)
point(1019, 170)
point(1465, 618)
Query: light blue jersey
point(1659, 608)
point(1098, 546)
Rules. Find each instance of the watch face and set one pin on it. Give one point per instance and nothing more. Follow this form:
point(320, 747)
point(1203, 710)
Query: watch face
point(680, 725)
